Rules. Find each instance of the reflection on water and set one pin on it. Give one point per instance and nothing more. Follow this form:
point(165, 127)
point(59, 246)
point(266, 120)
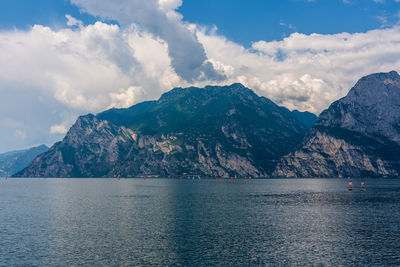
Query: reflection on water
point(64, 222)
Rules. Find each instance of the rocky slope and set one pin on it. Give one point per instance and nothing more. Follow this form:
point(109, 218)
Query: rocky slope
point(357, 136)
point(14, 161)
point(209, 131)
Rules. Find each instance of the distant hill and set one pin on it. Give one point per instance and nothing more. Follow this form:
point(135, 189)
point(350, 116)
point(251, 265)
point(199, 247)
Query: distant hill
point(307, 118)
point(216, 130)
point(14, 161)
point(357, 136)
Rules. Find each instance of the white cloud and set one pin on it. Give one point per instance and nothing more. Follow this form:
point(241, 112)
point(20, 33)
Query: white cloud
point(305, 72)
point(126, 98)
point(159, 18)
point(288, 25)
point(58, 129)
point(170, 5)
point(50, 76)
point(383, 20)
point(82, 68)
point(71, 21)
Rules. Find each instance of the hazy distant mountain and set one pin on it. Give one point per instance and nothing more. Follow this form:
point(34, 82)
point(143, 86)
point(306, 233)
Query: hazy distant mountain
point(357, 136)
point(14, 161)
point(208, 131)
point(307, 118)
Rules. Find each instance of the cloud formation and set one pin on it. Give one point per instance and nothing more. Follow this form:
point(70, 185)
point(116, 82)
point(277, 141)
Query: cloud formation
point(159, 18)
point(58, 129)
point(50, 76)
point(305, 72)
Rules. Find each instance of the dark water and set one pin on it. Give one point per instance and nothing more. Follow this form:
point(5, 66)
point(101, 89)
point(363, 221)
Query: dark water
point(99, 222)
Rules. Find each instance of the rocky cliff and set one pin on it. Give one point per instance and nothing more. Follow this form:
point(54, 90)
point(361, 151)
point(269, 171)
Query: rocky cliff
point(357, 136)
point(222, 131)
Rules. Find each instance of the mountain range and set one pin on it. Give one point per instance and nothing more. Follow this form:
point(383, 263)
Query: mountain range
point(14, 161)
point(229, 130)
point(216, 130)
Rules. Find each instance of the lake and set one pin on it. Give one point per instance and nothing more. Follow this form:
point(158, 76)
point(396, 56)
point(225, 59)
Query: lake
point(164, 222)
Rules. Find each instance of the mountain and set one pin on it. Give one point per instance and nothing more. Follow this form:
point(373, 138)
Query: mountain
point(14, 161)
point(357, 136)
point(216, 130)
point(307, 118)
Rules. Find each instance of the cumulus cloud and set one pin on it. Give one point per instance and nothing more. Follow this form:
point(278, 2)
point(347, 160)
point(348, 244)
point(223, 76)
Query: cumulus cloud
point(159, 18)
point(125, 98)
point(83, 69)
point(50, 76)
point(305, 72)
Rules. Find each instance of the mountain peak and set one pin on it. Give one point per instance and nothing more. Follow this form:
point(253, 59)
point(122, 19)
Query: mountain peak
point(233, 86)
point(40, 147)
point(358, 135)
point(375, 97)
point(216, 130)
point(178, 92)
point(382, 75)
point(376, 84)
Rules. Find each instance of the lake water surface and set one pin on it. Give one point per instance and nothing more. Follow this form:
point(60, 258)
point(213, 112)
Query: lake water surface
point(163, 222)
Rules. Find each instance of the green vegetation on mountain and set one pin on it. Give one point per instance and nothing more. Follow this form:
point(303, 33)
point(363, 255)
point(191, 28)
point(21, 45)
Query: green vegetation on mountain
point(216, 130)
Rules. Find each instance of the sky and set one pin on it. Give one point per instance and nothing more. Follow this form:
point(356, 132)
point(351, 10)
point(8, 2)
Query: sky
point(63, 58)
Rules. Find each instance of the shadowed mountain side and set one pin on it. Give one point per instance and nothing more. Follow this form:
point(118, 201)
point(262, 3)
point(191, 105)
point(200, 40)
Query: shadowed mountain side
point(307, 118)
point(216, 130)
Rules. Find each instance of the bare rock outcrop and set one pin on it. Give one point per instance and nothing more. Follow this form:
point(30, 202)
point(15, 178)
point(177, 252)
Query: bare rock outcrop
point(209, 131)
point(357, 136)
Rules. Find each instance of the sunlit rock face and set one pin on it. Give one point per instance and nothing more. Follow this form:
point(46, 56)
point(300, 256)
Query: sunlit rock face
point(216, 130)
point(357, 136)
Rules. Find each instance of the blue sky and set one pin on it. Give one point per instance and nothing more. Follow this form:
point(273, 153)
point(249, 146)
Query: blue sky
point(242, 21)
point(85, 56)
point(254, 20)
point(22, 14)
